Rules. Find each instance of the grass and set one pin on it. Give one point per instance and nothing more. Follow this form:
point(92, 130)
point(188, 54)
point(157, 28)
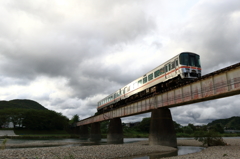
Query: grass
point(37, 132)
point(3, 146)
point(24, 133)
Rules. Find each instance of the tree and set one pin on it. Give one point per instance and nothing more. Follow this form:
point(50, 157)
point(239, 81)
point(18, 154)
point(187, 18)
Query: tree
point(218, 128)
point(209, 138)
point(177, 126)
point(104, 126)
point(187, 130)
point(3, 118)
point(144, 125)
point(192, 126)
point(74, 119)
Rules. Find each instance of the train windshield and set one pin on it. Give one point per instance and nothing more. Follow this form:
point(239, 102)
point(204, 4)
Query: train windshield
point(190, 59)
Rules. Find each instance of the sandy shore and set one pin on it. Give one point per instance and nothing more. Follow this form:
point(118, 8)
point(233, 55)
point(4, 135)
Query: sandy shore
point(232, 151)
point(121, 151)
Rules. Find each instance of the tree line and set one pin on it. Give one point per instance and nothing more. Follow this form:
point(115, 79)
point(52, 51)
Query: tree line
point(33, 119)
point(142, 129)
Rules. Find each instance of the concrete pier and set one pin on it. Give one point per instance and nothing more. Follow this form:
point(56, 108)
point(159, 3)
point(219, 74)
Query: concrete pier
point(95, 134)
point(162, 130)
point(84, 134)
point(115, 131)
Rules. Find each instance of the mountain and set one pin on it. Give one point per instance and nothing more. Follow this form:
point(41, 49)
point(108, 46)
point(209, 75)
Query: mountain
point(21, 104)
point(229, 123)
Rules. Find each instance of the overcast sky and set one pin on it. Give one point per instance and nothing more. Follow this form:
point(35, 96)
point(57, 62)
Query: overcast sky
point(69, 54)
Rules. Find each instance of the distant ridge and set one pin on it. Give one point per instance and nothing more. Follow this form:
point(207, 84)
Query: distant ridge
point(21, 104)
point(229, 123)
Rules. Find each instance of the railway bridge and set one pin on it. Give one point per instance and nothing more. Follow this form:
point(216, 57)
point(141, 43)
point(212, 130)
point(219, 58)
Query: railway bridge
point(219, 84)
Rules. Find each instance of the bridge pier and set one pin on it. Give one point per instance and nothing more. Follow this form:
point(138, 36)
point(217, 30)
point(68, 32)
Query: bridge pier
point(84, 135)
point(95, 132)
point(162, 130)
point(115, 131)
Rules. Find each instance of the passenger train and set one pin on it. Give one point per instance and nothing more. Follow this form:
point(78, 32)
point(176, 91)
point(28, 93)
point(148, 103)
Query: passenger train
point(184, 66)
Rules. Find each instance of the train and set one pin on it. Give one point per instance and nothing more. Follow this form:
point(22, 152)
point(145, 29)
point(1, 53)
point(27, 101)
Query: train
point(182, 67)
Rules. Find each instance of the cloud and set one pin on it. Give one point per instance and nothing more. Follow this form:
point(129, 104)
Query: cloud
point(68, 55)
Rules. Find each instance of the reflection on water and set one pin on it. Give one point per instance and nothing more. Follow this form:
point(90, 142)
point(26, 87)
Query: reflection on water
point(182, 150)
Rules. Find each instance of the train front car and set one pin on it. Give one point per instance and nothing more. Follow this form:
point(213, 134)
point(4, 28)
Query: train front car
point(190, 65)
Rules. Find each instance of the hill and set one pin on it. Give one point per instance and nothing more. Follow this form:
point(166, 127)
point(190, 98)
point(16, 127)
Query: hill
point(21, 104)
point(229, 123)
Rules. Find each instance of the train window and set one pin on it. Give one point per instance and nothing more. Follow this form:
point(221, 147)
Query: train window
point(173, 64)
point(176, 62)
point(144, 80)
point(166, 68)
point(125, 90)
point(128, 88)
point(150, 77)
point(169, 67)
point(161, 71)
point(184, 59)
point(156, 73)
point(139, 82)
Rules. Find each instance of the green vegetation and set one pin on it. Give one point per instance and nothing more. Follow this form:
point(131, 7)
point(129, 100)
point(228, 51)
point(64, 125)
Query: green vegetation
point(21, 104)
point(142, 129)
point(29, 118)
point(209, 138)
point(229, 123)
point(33, 119)
point(3, 146)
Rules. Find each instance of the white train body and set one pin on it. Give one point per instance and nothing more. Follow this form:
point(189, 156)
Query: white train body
point(185, 65)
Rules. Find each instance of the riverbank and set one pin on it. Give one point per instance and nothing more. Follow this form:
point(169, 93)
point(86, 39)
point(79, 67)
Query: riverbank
point(231, 151)
point(83, 152)
point(122, 151)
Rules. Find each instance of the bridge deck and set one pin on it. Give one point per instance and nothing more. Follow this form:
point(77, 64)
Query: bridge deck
point(219, 84)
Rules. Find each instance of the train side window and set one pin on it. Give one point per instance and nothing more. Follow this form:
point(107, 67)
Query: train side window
point(161, 71)
point(150, 77)
point(173, 64)
point(144, 80)
point(139, 82)
point(176, 62)
point(166, 68)
point(156, 73)
point(169, 67)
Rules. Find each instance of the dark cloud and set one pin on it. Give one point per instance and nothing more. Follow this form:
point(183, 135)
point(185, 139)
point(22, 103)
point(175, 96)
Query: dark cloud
point(67, 55)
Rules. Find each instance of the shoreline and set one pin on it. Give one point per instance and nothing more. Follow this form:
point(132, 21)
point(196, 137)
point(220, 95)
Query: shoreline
point(121, 151)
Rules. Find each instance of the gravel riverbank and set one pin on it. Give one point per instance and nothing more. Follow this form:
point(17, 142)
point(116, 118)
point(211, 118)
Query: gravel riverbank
point(232, 151)
point(121, 151)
